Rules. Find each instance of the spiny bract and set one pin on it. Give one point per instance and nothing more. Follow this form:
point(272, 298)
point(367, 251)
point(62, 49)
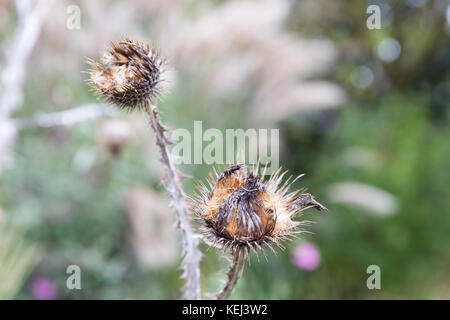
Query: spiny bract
point(239, 210)
point(130, 73)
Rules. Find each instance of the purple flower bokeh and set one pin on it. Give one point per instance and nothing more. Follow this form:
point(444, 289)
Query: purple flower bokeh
point(307, 256)
point(43, 288)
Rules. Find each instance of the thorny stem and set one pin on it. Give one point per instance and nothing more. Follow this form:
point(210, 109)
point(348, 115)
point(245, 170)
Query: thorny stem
point(190, 240)
point(234, 273)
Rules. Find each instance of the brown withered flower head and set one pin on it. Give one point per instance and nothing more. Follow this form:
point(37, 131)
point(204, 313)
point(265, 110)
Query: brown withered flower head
point(238, 210)
point(130, 72)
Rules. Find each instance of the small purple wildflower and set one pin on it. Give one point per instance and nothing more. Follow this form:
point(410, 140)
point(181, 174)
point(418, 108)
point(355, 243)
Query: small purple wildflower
point(307, 256)
point(43, 288)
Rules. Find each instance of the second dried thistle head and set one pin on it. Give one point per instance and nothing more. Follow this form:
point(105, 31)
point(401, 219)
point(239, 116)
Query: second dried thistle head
point(130, 73)
point(240, 211)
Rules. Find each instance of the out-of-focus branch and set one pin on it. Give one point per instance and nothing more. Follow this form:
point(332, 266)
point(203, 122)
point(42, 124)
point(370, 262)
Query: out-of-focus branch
point(25, 38)
point(65, 118)
point(30, 19)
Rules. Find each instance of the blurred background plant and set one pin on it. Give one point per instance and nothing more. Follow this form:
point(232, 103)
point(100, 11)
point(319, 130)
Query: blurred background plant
point(364, 113)
point(17, 259)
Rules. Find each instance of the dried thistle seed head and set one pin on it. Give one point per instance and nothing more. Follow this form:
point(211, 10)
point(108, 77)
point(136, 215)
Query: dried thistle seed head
point(239, 210)
point(130, 73)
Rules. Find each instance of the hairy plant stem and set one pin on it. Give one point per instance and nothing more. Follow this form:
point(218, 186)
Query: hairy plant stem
point(233, 274)
point(190, 240)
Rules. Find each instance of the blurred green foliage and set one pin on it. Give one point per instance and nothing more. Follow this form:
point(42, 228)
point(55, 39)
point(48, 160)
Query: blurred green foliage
point(402, 118)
